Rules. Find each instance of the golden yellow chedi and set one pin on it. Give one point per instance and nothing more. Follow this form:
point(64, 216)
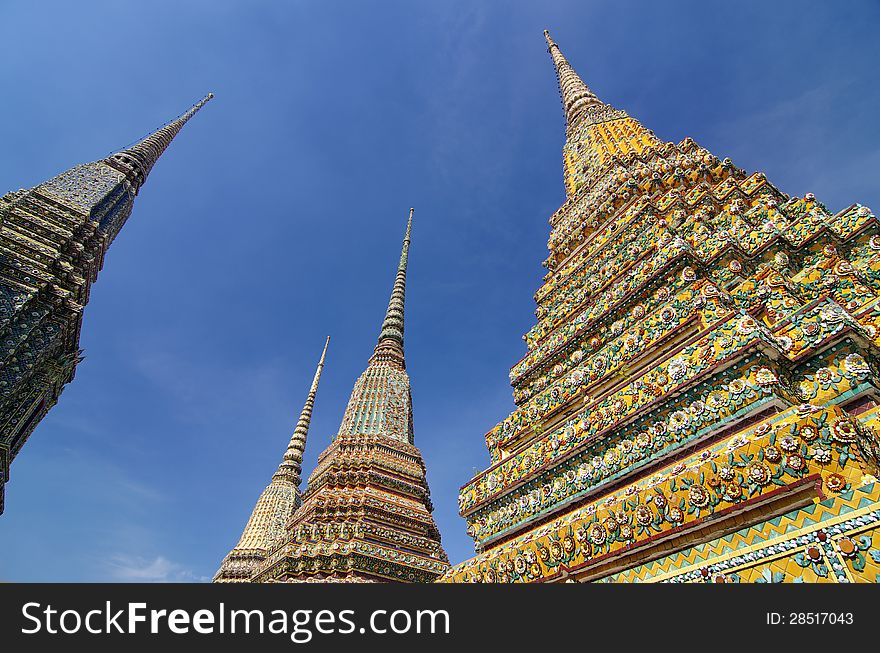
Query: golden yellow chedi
point(699, 397)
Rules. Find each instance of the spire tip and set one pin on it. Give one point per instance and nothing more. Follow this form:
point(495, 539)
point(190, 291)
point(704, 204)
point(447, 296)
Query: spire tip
point(577, 97)
point(291, 464)
point(391, 335)
point(324, 353)
point(136, 161)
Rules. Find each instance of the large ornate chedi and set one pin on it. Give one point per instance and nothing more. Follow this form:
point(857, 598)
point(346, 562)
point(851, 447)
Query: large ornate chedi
point(366, 515)
point(698, 402)
point(266, 528)
point(53, 239)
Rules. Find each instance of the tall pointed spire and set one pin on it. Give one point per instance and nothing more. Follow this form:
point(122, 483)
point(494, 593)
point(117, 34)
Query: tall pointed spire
point(595, 131)
point(290, 468)
point(576, 95)
point(390, 344)
point(266, 527)
point(53, 242)
point(366, 514)
point(137, 161)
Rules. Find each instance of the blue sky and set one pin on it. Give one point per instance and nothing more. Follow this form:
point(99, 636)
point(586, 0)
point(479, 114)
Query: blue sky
point(276, 217)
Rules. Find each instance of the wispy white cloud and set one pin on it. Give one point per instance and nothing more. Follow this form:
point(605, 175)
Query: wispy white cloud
point(136, 569)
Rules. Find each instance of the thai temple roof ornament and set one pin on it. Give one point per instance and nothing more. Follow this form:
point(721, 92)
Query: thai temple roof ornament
point(278, 501)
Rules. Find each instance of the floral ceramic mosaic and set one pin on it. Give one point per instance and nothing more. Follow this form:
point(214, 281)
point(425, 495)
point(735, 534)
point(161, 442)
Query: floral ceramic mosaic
point(704, 364)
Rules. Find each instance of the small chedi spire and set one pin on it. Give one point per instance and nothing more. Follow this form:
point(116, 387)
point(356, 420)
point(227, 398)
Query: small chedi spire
point(576, 95)
point(277, 503)
point(137, 161)
point(366, 514)
point(290, 468)
point(390, 344)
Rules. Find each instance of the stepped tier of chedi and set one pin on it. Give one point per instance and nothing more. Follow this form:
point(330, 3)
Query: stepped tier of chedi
point(699, 398)
point(266, 528)
point(53, 239)
point(366, 514)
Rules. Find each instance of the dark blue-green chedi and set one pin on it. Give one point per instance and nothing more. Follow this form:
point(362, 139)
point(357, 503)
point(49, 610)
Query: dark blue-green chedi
point(53, 238)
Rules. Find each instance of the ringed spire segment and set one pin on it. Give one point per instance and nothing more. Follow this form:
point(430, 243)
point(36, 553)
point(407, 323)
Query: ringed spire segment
point(577, 97)
point(390, 343)
point(137, 161)
point(290, 468)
